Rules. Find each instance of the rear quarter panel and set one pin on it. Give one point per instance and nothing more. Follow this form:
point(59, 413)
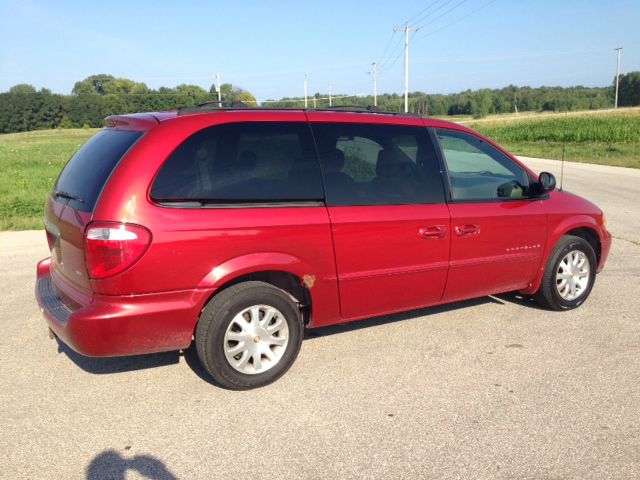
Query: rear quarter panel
point(198, 248)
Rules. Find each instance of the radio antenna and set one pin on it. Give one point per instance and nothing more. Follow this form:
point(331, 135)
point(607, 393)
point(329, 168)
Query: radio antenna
point(564, 136)
point(562, 166)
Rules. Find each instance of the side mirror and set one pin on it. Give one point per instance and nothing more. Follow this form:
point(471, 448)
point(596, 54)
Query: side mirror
point(547, 182)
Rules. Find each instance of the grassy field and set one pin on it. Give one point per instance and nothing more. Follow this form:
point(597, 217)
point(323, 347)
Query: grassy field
point(607, 138)
point(31, 161)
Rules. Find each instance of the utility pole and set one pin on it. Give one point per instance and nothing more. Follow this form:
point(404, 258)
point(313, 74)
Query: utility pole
point(407, 30)
point(374, 74)
point(330, 99)
point(218, 90)
point(306, 103)
point(618, 51)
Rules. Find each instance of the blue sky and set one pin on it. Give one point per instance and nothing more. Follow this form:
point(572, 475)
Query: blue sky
point(266, 47)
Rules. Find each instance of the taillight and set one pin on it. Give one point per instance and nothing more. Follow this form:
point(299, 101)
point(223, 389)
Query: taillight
point(111, 248)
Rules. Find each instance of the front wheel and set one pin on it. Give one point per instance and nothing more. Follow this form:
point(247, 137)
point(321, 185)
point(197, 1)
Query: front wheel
point(569, 274)
point(249, 335)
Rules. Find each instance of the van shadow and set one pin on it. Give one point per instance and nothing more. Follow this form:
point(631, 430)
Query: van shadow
point(519, 299)
point(113, 365)
point(397, 317)
point(109, 365)
point(104, 366)
point(110, 464)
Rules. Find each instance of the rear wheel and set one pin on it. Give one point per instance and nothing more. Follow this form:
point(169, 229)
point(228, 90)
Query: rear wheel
point(569, 274)
point(249, 335)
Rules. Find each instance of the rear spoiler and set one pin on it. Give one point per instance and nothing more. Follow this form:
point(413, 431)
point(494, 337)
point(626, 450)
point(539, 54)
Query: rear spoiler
point(135, 121)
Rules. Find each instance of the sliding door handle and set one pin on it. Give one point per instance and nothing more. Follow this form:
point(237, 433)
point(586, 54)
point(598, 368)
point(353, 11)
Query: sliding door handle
point(467, 230)
point(433, 232)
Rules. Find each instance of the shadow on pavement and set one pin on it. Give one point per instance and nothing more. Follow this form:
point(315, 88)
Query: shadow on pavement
point(519, 299)
point(396, 317)
point(191, 359)
point(102, 366)
point(107, 365)
point(110, 464)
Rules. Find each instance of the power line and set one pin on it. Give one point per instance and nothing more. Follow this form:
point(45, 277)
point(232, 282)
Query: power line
point(443, 14)
point(424, 10)
point(387, 46)
point(440, 7)
point(382, 61)
point(433, 32)
point(388, 66)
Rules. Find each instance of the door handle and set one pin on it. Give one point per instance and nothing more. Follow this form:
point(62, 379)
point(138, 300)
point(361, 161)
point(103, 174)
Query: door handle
point(433, 232)
point(467, 230)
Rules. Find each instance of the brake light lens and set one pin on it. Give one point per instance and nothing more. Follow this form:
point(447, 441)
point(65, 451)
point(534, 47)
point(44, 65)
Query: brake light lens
point(111, 248)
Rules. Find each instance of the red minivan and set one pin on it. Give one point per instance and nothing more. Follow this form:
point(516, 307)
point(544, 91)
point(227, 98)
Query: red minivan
point(238, 228)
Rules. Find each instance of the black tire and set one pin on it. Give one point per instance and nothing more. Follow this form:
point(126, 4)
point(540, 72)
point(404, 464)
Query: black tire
point(219, 314)
point(548, 295)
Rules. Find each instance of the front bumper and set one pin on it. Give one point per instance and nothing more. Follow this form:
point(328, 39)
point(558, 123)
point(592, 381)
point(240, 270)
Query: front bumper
point(605, 247)
point(121, 325)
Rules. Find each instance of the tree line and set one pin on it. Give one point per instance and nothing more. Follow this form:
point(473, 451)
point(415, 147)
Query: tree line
point(24, 108)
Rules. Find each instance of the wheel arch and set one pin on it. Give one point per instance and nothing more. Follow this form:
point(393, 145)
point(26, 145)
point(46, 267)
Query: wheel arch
point(285, 272)
point(591, 236)
point(582, 226)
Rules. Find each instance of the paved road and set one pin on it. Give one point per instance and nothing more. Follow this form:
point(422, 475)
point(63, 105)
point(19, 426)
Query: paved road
point(493, 388)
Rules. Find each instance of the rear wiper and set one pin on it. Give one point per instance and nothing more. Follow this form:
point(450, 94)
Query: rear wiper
point(70, 196)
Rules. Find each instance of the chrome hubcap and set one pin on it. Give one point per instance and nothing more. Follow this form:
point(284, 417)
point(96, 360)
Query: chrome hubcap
point(572, 277)
point(256, 339)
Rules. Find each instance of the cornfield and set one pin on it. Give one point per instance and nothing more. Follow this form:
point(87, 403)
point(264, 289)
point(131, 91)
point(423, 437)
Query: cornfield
point(600, 128)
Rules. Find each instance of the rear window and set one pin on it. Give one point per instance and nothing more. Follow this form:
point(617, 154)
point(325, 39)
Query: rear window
point(252, 162)
point(89, 169)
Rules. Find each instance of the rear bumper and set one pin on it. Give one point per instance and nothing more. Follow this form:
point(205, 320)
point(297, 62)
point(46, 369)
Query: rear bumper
point(121, 325)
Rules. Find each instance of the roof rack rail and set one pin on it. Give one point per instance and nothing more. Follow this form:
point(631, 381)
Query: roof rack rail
point(212, 106)
point(359, 109)
point(215, 106)
point(353, 108)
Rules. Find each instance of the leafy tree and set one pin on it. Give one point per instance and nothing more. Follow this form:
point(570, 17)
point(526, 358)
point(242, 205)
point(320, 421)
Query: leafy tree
point(629, 89)
point(66, 123)
point(481, 103)
point(118, 86)
point(23, 108)
point(22, 88)
point(231, 93)
point(92, 85)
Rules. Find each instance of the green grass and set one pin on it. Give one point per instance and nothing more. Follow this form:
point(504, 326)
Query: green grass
point(606, 138)
point(30, 163)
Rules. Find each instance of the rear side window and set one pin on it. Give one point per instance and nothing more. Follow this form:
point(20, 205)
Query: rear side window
point(82, 179)
point(242, 162)
point(366, 164)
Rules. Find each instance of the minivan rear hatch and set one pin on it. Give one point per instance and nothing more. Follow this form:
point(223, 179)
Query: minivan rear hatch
point(71, 205)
